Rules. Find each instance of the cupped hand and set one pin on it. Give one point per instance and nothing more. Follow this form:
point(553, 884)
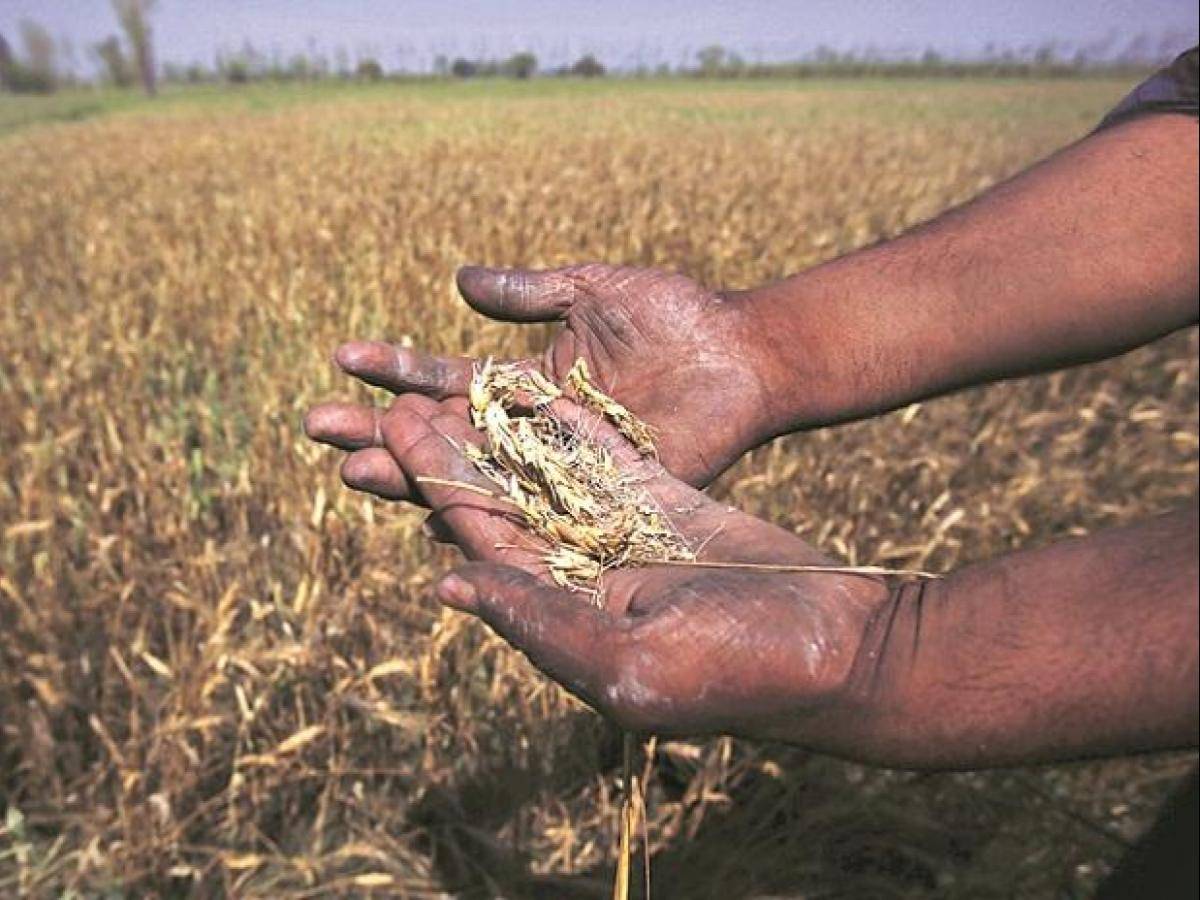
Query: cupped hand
point(682, 358)
point(668, 649)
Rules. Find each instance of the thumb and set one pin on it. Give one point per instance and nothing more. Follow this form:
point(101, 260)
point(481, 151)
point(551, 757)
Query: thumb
point(562, 633)
point(517, 295)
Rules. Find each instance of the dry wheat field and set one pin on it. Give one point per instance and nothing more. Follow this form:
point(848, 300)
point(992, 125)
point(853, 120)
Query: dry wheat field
point(221, 673)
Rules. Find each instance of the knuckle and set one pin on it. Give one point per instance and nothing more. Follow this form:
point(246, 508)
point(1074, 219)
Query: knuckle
point(510, 581)
point(590, 272)
point(516, 290)
point(420, 371)
point(404, 359)
point(452, 426)
point(406, 424)
point(501, 609)
point(412, 405)
point(501, 590)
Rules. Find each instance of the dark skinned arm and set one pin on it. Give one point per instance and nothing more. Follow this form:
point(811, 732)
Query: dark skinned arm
point(1086, 255)
point(1084, 648)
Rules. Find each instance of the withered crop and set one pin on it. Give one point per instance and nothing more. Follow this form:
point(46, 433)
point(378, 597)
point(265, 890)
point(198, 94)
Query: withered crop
point(222, 673)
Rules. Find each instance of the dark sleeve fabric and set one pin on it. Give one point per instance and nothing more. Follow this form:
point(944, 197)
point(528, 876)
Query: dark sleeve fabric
point(1175, 89)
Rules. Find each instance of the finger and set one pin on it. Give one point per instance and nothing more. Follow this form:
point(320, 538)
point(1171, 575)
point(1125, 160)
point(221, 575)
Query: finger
point(347, 426)
point(518, 295)
point(373, 471)
point(425, 451)
point(426, 439)
point(401, 369)
point(562, 634)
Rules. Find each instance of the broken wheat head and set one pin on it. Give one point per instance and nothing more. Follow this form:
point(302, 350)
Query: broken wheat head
point(565, 484)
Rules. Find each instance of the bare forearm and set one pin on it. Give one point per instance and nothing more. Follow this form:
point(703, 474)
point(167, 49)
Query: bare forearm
point(1088, 254)
point(1084, 648)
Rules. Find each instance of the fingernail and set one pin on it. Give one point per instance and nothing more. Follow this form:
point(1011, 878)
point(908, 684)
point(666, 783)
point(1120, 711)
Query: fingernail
point(355, 357)
point(457, 593)
point(472, 272)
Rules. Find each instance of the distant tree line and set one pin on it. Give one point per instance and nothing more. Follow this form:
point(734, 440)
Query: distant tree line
point(47, 64)
point(127, 59)
point(249, 64)
point(520, 66)
point(1048, 60)
point(36, 71)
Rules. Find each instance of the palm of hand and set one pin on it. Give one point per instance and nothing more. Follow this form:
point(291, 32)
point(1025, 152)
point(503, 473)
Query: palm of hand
point(673, 649)
point(671, 352)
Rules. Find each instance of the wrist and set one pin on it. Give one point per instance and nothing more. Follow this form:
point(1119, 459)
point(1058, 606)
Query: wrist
point(859, 335)
point(872, 712)
point(835, 704)
point(801, 355)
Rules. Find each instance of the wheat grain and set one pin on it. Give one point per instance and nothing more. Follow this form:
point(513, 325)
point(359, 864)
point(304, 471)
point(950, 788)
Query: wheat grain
point(566, 486)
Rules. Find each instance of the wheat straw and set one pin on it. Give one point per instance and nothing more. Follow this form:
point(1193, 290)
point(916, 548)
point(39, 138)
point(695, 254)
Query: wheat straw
point(866, 571)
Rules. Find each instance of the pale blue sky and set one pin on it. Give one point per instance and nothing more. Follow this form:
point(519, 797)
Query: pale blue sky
point(621, 32)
